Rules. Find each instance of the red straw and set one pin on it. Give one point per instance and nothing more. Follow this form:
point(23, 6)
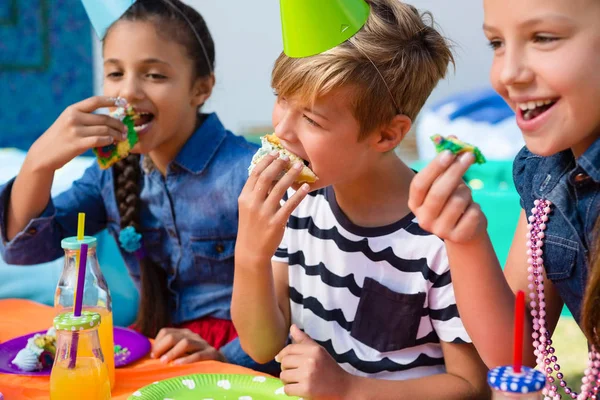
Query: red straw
point(518, 339)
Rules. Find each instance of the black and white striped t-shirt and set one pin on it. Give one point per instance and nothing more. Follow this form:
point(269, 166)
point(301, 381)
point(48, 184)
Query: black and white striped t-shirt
point(378, 299)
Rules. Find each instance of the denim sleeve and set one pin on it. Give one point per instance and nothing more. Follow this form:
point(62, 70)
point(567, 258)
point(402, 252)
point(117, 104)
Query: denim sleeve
point(234, 354)
point(39, 241)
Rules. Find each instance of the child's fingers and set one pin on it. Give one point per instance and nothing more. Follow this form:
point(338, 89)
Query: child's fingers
point(295, 389)
point(162, 333)
point(290, 205)
point(258, 170)
point(93, 103)
point(444, 187)
point(299, 336)
point(163, 343)
point(202, 355)
point(290, 376)
point(102, 120)
point(456, 205)
point(182, 348)
point(280, 188)
point(421, 183)
point(292, 362)
point(268, 176)
point(96, 141)
point(100, 130)
point(292, 349)
point(467, 226)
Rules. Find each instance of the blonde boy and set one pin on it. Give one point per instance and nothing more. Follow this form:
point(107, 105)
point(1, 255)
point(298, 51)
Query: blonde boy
point(364, 292)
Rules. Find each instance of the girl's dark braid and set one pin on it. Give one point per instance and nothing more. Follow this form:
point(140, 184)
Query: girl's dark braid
point(153, 311)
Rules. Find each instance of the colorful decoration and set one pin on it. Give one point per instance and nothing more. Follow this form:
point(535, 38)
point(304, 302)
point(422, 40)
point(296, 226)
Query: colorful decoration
point(311, 27)
point(506, 380)
point(130, 239)
point(112, 153)
point(457, 147)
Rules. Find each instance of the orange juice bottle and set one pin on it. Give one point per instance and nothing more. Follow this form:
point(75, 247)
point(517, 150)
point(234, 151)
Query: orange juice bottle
point(78, 374)
point(96, 296)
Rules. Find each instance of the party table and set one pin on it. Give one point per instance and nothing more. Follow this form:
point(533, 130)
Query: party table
point(19, 317)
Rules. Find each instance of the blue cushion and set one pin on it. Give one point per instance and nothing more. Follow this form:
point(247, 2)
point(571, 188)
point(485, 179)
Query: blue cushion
point(16, 280)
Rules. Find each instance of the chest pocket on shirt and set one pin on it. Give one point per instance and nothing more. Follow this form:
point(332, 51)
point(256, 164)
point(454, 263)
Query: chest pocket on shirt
point(387, 320)
point(559, 257)
point(213, 259)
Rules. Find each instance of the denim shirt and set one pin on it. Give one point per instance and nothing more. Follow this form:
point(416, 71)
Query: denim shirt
point(573, 186)
point(189, 221)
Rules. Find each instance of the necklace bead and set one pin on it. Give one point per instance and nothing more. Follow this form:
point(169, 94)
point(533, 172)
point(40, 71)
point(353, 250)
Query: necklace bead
point(542, 343)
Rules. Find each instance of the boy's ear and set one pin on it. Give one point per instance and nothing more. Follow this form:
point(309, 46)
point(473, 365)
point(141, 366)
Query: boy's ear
point(389, 136)
point(202, 90)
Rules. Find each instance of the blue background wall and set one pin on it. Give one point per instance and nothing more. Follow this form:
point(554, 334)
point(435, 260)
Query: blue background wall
point(45, 65)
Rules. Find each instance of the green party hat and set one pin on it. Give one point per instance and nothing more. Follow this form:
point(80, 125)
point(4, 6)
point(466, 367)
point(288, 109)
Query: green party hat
point(311, 27)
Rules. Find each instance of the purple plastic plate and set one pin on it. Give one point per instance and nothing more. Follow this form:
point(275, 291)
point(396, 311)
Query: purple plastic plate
point(137, 346)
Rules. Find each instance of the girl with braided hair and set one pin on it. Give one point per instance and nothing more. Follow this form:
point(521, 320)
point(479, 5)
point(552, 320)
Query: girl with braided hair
point(171, 204)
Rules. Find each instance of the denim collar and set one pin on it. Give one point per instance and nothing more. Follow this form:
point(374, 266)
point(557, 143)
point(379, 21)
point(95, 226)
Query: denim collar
point(553, 168)
point(200, 148)
point(590, 161)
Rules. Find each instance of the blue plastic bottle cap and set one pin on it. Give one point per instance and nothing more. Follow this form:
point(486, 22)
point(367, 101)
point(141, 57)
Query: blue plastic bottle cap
point(71, 243)
point(505, 379)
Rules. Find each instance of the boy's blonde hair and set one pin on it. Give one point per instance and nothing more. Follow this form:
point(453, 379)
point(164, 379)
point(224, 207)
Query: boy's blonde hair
point(409, 53)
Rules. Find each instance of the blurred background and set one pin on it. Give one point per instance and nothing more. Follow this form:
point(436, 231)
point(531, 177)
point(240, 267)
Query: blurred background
point(50, 58)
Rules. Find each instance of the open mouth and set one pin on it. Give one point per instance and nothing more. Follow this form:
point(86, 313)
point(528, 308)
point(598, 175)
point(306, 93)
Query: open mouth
point(533, 109)
point(142, 121)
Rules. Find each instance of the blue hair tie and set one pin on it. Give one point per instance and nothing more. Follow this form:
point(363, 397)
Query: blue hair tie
point(130, 239)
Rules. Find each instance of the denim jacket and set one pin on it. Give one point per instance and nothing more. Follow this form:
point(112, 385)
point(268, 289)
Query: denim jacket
point(189, 222)
point(573, 186)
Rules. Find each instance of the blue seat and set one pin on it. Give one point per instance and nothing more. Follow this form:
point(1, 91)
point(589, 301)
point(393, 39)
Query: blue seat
point(16, 280)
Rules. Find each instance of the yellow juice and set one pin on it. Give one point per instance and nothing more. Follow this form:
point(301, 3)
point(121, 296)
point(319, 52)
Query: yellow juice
point(107, 343)
point(88, 380)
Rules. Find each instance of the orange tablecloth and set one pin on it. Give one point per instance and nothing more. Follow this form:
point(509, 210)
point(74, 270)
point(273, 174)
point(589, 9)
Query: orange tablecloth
point(19, 317)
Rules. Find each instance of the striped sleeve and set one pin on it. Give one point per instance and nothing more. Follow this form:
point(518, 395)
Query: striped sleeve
point(443, 310)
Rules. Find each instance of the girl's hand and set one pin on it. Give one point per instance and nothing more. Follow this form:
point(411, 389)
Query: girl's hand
point(75, 131)
point(183, 347)
point(262, 218)
point(309, 371)
point(442, 202)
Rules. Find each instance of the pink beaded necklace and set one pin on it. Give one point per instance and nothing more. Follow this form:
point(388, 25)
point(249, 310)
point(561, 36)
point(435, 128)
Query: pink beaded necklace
point(542, 342)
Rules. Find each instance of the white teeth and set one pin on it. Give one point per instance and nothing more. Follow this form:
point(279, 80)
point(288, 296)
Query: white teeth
point(141, 127)
point(531, 105)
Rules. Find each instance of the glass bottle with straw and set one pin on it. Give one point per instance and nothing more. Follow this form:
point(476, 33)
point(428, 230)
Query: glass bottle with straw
point(95, 296)
point(517, 381)
point(79, 371)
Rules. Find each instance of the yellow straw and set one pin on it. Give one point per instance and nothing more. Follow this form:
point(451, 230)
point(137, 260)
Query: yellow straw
point(80, 226)
point(80, 230)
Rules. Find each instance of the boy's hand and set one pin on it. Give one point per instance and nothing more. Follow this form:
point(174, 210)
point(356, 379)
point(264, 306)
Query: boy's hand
point(75, 131)
point(309, 371)
point(262, 218)
point(442, 202)
point(183, 347)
